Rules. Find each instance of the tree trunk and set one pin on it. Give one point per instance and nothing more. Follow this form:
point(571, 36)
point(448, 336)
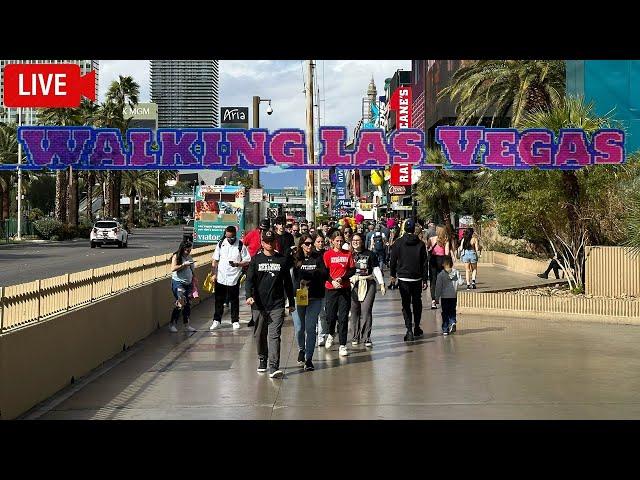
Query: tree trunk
point(61, 196)
point(72, 195)
point(572, 192)
point(445, 211)
point(108, 195)
point(132, 195)
point(117, 182)
point(5, 204)
point(90, 181)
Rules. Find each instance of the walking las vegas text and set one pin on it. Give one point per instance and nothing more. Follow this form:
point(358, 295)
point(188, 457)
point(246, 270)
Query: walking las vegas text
point(464, 148)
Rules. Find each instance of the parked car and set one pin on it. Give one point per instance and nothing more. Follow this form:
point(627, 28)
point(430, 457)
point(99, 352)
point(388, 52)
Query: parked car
point(187, 231)
point(108, 232)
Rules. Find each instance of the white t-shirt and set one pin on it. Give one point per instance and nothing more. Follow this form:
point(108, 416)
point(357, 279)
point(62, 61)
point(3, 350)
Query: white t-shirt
point(228, 275)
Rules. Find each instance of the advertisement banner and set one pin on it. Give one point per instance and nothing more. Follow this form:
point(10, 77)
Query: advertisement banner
point(217, 207)
point(341, 185)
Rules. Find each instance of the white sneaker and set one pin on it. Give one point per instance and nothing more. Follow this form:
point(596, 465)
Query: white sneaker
point(236, 325)
point(355, 343)
point(368, 343)
point(173, 329)
point(321, 342)
point(328, 342)
point(214, 325)
point(188, 328)
point(343, 351)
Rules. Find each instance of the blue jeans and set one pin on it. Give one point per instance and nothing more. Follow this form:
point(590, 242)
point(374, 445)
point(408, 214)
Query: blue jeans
point(179, 289)
point(305, 320)
point(448, 312)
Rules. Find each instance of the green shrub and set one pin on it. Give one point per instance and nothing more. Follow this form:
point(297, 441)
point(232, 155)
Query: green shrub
point(48, 228)
point(35, 214)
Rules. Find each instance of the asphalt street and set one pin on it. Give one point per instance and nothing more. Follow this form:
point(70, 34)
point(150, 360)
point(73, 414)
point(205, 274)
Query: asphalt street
point(25, 263)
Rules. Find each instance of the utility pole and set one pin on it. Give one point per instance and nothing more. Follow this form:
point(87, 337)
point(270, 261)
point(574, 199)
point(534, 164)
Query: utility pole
point(256, 172)
point(19, 235)
point(310, 187)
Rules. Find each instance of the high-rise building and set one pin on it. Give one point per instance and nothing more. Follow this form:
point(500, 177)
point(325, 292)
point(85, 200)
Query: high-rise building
point(29, 115)
point(186, 92)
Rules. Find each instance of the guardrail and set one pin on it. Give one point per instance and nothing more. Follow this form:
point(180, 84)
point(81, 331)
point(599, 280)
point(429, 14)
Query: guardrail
point(29, 303)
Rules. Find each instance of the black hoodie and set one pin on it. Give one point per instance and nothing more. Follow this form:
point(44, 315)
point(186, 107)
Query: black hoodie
point(409, 258)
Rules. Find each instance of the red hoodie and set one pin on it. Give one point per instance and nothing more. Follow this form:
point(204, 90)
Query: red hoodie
point(253, 241)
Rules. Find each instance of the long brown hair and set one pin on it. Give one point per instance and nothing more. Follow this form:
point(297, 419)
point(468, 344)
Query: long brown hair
point(441, 233)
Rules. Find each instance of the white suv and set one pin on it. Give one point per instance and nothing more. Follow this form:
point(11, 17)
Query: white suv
point(108, 232)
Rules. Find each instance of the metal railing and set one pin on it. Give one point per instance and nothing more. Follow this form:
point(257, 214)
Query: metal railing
point(31, 302)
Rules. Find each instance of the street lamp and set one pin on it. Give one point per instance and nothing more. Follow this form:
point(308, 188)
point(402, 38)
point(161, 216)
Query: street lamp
point(256, 173)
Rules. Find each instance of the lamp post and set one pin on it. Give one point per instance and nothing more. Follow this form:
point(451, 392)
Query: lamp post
point(256, 173)
point(19, 233)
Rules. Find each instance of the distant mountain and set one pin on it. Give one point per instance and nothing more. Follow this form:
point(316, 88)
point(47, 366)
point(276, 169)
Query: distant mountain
point(292, 178)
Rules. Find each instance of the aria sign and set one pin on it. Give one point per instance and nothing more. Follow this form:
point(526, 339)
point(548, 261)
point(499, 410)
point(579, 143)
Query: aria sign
point(87, 148)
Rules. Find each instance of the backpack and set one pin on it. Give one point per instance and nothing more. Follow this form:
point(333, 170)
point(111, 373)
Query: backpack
point(239, 244)
point(377, 241)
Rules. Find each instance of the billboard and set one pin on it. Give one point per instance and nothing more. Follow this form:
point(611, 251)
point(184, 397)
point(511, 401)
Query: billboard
point(143, 115)
point(217, 207)
point(234, 117)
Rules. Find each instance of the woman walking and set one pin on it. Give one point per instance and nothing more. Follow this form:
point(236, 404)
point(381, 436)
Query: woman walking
point(339, 267)
point(182, 286)
point(470, 248)
point(308, 272)
point(440, 248)
point(364, 291)
point(323, 328)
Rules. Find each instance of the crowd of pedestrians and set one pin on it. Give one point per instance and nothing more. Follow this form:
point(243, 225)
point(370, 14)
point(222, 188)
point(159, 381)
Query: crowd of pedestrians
point(326, 278)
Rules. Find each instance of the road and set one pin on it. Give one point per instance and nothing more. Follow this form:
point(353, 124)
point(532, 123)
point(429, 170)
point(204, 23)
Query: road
point(25, 263)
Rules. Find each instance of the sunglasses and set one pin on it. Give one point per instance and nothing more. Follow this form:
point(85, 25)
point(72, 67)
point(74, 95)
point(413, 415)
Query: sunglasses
point(308, 243)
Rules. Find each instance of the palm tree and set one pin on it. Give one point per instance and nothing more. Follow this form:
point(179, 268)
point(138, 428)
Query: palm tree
point(122, 92)
point(140, 182)
point(64, 195)
point(89, 115)
point(504, 87)
point(439, 190)
point(8, 154)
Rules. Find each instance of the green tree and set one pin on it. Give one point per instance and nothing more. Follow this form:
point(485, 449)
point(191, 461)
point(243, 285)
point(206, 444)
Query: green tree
point(137, 181)
point(439, 190)
point(63, 117)
point(8, 154)
point(505, 88)
point(122, 92)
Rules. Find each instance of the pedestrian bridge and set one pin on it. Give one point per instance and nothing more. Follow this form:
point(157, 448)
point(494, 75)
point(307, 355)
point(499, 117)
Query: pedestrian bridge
point(491, 368)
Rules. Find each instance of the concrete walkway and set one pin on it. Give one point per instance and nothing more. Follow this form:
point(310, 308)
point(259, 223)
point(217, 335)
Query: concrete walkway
point(506, 368)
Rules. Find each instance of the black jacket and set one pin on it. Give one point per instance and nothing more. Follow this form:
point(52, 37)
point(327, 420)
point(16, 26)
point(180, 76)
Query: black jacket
point(268, 281)
point(284, 243)
point(409, 258)
point(311, 269)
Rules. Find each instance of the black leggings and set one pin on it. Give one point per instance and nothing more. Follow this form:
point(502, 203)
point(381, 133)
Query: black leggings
point(338, 303)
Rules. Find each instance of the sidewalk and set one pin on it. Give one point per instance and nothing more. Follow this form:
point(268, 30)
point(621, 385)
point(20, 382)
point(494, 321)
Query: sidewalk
point(506, 368)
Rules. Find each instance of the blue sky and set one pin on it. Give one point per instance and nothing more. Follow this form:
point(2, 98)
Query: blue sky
point(342, 83)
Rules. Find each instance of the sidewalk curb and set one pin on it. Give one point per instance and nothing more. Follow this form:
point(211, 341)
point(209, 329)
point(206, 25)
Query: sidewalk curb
point(41, 242)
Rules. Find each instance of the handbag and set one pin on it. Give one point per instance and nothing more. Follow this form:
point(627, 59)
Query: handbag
point(208, 285)
point(302, 297)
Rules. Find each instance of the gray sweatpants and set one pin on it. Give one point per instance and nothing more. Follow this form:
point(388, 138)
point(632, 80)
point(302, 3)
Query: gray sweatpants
point(361, 316)
point(266, 331)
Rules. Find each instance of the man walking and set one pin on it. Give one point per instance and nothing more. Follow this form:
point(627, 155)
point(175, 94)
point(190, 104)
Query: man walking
point(378, 245)
point(268, 283)
point(229, 258)
point(409, 264)
point(284, 241)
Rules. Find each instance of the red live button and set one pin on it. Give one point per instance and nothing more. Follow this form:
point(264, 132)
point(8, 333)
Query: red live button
point(44, 85)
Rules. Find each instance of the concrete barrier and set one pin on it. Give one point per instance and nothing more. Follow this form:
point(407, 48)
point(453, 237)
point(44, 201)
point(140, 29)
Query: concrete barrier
point(40, 359)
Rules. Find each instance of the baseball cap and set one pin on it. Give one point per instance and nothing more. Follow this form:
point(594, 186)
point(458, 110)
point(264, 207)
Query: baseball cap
point(268, 236)
point(265, 224)
point(409, 226)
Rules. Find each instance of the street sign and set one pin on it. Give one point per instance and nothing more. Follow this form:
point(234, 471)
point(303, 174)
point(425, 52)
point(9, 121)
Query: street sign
point(255, 195)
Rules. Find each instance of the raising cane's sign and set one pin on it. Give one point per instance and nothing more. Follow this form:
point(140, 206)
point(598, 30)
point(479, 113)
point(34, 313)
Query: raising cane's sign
point(87, 148)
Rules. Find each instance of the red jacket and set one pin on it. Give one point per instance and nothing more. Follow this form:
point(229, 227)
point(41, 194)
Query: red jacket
point(253, 241)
